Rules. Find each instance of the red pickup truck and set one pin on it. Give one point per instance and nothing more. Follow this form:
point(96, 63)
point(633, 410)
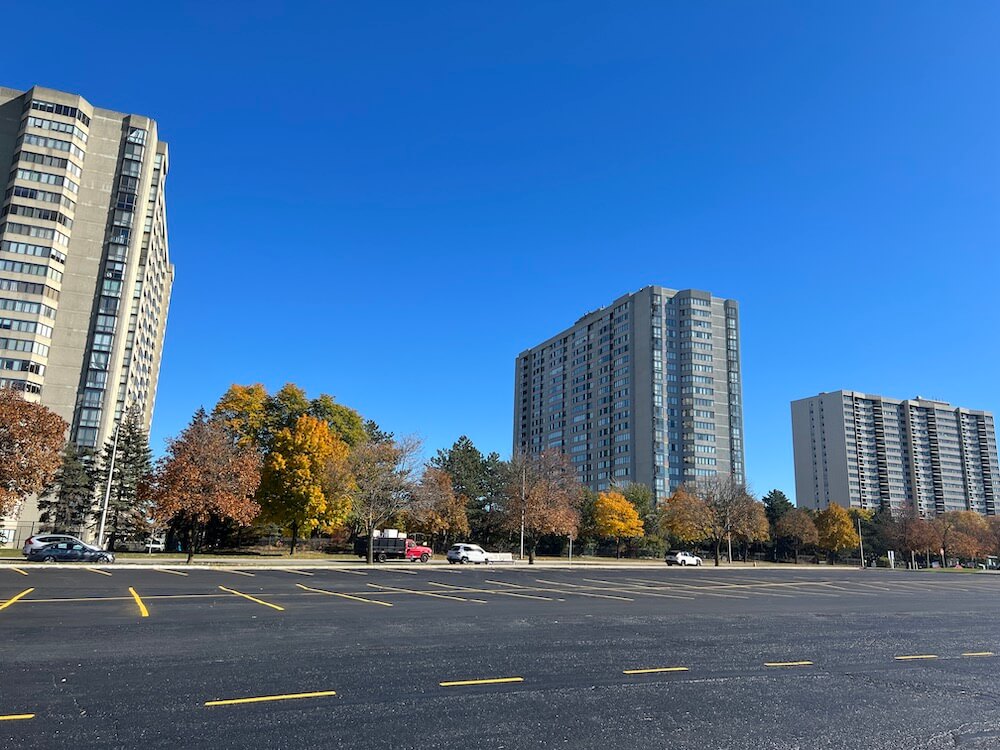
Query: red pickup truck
point(394, 548)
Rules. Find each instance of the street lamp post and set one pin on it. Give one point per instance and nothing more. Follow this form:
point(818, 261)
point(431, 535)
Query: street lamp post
point(107, 489)
point(523, 493)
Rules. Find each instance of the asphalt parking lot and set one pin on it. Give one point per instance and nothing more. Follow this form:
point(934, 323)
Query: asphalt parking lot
point(495, 657)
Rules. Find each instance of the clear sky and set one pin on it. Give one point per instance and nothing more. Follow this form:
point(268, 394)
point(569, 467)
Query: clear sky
point(387, 201)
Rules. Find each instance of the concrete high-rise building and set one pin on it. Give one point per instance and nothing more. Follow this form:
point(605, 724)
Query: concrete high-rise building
point(645, 390)
point(863, 451)
point(85, 274)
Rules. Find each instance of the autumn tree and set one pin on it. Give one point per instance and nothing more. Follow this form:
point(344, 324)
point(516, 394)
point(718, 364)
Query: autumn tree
point(798, 527)
point(438, 510)
point(543, 497)
point(835, 529)
point(133, 461)
point(963, 533)
point(685, 517)
point(283, 409)
point(31, 438)
point(241, 412)
point(617, 518)
point(69, 502)
point(344, 422)
point(385, 483)
point(917, 535)
point(750, 526)
point(204, 477)
point(729, 506)
point(306, 483)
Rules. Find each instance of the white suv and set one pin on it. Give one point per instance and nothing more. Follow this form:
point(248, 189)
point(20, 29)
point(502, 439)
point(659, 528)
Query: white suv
point(39, 541)
point(467, 553)
point(677, 557)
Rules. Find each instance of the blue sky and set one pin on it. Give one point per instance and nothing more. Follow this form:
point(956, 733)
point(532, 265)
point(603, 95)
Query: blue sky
point(388, 201)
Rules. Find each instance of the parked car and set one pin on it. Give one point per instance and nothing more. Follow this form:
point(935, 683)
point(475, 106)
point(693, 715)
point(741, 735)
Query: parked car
point(467, 553)
point(71, 552)
point(391, 544)
point(679, 557)
point(37, 542)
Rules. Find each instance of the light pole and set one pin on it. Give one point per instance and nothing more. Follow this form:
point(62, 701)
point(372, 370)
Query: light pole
point(861, 541)
point(524, 470)
point(107, 489)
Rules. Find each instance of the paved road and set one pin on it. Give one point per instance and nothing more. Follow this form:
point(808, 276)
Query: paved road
point(497, 658)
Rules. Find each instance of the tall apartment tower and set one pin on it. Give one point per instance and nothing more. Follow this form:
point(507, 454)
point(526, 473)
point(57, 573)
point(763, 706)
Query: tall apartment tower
point(646, 390)
point(863, 451)
point(85, 274)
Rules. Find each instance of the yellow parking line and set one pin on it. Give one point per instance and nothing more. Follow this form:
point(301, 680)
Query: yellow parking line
point(788, 664)
point(24, 573)
point(98, 570)
point(168, 570)
point(487, 681)
point(428, 593)
point(16, 717)
point(345, 596)
point(654, 669)
point(15, 598)
point(264, 698)
point(143, 612)
point(914, 657)
point(253, 598)
point(978, 653)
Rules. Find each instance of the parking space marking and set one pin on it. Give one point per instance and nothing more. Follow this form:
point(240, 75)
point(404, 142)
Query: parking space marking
point(563, 591)
point(427, 593)
point(636, 586)
point(22, 572)
point(266, 698)
point(299, 572)
point(978, 653)
point(654, 670)
point(687, 587)
point(168, 570)
point(98, 570)
point(345, 596)
point(16, 717)
point(253, 598)
point(352, 572)
point(915, 657)
point(485, 681)
point(803, 663)
point(143, 612)
point(237, 572)
point(15, 598)
point(490, 591)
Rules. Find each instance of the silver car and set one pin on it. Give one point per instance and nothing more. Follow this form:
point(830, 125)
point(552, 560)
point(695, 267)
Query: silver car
point(40, 540)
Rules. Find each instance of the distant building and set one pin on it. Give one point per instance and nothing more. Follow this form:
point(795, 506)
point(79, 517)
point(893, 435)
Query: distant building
point(85, 274)
point(645, 390)
point(863, 451)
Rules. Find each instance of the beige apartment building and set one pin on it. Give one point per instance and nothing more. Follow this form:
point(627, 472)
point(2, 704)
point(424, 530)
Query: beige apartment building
point(918, 455)
point(646, 390)
point(85, 272)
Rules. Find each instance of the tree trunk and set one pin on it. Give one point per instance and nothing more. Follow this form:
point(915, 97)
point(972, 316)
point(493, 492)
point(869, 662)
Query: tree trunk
point(189, 543)
point(531, 553)
point(371, 547)
point(718, 551)
point(796, 554)
point(618, 548)
point(295, 538)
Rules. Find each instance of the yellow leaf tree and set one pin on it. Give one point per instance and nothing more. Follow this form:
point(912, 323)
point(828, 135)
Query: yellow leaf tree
point(307, 481)
point(835, 529)
point(241, 411)
point(617, 518)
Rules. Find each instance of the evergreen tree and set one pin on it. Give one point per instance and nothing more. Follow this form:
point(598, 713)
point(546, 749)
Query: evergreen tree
point(70, 503)
point(127, 510)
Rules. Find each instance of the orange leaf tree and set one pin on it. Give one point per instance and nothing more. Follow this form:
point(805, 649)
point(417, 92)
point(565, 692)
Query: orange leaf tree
point(685, 517)
point(438, 510)
point(617, 518)
point(544, 494)
point(203, 477)
point(797, 526)
point(31, 439)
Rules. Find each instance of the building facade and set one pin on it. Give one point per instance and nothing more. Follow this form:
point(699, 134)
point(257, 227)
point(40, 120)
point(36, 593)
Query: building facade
point(646, 390)
point(863, 451)
point(85, 272)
